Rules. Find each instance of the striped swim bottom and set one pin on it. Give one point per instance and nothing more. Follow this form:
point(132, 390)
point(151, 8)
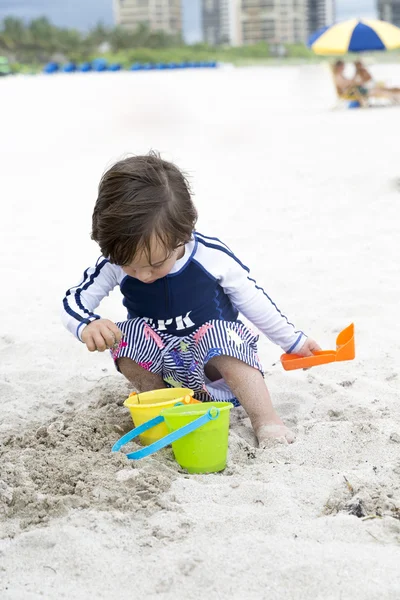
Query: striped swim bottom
point(180, 361)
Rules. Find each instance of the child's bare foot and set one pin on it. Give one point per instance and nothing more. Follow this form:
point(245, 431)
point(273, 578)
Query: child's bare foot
point(248, 385)
point(274, 431)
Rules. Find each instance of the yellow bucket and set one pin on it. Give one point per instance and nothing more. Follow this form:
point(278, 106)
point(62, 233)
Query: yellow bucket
point(148, 405)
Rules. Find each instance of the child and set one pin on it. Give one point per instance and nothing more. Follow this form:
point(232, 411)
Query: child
point(183, 291)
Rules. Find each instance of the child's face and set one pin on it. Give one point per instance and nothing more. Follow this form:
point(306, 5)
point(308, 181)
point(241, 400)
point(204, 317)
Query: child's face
point(162, 262)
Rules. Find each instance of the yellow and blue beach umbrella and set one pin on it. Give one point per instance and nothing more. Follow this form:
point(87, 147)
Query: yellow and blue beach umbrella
point(366, 35)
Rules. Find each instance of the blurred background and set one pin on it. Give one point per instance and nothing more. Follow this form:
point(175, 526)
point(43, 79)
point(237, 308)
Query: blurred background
point(166, 33)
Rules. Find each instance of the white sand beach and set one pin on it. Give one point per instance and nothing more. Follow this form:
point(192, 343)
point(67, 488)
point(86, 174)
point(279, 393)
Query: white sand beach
point(306, 196)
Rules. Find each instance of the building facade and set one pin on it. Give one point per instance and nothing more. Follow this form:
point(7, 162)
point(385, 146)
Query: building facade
point(158, 15)
point(211, 19)
point(220, 19)
point(241, 22)
point(320, 14)
point(389, 10)
point(273, 21)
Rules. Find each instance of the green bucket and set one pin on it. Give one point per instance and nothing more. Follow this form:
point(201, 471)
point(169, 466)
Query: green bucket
point(204, 450)
point(198, 434)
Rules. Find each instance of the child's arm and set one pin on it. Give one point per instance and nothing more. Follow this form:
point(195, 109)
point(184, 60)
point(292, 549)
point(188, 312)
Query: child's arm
point(80, 302)
point(255, 304)
point(250, 299)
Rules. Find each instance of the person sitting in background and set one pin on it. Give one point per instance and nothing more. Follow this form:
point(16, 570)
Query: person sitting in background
point(358, 87)
point(368, 87)
point(362, 76)
point(347, 87)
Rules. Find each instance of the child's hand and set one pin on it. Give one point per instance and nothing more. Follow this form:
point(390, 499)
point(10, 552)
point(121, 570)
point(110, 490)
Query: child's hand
point(308, 348)
point(100, 335)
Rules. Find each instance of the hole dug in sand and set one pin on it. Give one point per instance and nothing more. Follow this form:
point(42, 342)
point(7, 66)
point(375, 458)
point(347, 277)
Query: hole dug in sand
point(373, 494)
point(67, 464)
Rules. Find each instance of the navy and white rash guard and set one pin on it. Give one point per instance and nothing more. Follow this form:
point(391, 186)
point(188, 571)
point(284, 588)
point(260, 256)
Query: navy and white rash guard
point(207, 283)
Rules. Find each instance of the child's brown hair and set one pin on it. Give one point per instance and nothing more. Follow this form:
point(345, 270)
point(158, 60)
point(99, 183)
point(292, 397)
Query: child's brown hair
point(142, 198)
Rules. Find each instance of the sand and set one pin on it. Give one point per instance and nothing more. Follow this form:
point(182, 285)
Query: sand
point(308, 197)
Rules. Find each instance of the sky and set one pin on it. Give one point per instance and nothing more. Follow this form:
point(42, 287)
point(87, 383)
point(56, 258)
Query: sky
point(83, 14)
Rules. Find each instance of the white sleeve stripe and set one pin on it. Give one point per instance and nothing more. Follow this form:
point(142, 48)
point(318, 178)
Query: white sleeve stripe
point(85, 276)
point(72, 298)
point(293, 346)
point(204, 238)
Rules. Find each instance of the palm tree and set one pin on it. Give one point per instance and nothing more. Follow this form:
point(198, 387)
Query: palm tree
point(70, 42)
point(42, 37)
point(13, 33)
point(98, 35)
point(40, 40)
point(121, 39)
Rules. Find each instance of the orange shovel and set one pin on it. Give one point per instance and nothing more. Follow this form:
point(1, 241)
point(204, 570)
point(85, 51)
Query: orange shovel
point(345, 350)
